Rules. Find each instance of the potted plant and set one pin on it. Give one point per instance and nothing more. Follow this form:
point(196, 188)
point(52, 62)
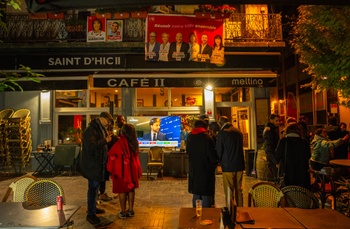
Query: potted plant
point(56, 15)
point(224, 11)
point(204, 11)
point(139, 12)
point(103, 13)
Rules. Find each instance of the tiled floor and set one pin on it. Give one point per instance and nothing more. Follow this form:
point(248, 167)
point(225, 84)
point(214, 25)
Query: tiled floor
point(157, 202)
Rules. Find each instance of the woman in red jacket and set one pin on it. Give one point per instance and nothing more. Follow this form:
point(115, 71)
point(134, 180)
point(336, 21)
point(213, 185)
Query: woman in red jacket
point(125, 168)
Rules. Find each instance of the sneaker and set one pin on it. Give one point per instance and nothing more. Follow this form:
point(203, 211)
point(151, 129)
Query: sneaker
point(100, 211)
point(122, 215)
point(130, 213)
point(93, 219)
point(105, 197)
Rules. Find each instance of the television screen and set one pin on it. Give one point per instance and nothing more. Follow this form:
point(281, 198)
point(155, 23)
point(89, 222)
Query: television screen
point(169, 135)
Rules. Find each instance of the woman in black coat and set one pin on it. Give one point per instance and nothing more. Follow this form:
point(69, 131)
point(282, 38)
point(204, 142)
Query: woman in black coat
point(293, 153)
point(202, 164)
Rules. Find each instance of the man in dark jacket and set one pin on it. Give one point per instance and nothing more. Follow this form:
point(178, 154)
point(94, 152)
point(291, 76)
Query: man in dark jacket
point(229, 147)
point(202, 164)
point(334, 132)
point(93, 161)
point(271, 138)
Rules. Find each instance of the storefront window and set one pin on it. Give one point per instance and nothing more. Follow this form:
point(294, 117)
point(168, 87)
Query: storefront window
point(70, 128)
point(187, 96)
point(103, 97)
point(152, 97)
point(70, 98)
point(229, 94)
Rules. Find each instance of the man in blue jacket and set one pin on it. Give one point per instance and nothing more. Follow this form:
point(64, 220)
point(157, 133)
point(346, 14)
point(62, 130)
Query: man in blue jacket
point(229, 148)
point(93, 161)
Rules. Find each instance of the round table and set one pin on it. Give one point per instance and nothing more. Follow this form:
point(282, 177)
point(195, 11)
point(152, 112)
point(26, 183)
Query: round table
point(340, 162)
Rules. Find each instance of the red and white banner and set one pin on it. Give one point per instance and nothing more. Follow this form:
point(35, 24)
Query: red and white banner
point(167, 30)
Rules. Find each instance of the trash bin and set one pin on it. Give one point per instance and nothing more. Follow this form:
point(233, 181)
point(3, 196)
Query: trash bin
point(249, 155)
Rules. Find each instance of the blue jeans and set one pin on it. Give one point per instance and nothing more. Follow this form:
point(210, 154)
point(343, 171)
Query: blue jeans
point(92, 196)
point(207, 201)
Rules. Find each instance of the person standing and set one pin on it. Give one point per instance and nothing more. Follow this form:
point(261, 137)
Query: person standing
point(205, 50)
point(202, 159)
point(120, 122)
point(229, 147)
point(93, 161)
point(125, 168)
point(334, 132)
point(178, 50)
point(293, 154)
point(152, 48)
point(218, 54)
point(164, 47)
point(102, 193)
point(271, 138)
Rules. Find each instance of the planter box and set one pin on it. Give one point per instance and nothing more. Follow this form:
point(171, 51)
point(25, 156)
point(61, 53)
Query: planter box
point(203, 15)
point(39, 16)
point(104, 15)
point(121, 15)
point(139, 14)
point(219, 15)
point(55, 15)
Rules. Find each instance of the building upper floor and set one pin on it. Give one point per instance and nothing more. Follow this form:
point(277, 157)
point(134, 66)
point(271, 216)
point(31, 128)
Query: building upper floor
point(244, 26)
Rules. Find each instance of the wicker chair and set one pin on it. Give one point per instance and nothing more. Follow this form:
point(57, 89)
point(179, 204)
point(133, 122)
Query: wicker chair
point(6, 113)
point(299, 197)
point(155, 161)
point(265, 194)
point(18, 187)
point(43, 193)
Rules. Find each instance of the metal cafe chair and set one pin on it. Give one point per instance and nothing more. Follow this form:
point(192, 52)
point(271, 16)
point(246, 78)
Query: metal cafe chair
point(325, 185)
point(65, 155)
point(43, 192)
point(18, 187)
point(299, 197)
point(265, 194)
point(155, 161)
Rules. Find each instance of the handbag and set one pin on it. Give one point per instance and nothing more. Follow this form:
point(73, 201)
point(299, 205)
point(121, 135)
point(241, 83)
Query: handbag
point(280, 180)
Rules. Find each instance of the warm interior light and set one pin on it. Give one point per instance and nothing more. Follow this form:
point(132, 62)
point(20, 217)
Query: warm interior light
point(209, 87)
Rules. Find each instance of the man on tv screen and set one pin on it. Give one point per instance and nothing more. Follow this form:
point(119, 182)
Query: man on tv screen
point(155, 134)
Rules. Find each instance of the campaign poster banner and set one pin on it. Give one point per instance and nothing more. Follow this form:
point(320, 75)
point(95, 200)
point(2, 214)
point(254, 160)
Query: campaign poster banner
point(96, 29)
point(114, 30)
point(184, 38)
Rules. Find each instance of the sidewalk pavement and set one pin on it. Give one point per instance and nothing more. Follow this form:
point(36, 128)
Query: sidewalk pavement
point(157, 202)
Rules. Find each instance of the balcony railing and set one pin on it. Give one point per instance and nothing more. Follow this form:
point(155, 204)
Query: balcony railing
point(238, 28)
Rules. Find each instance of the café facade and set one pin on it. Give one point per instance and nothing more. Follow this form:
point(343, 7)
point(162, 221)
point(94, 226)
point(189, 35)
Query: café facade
point(83, 79)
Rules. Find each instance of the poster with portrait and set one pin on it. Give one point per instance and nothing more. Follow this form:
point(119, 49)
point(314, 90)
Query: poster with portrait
point(184, 38)
point(114, 30)
point(96, 29)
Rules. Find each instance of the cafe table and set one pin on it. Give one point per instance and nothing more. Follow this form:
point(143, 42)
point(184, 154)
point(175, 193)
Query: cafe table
point(340, 162)
point(269, 218)
point(188, 219)
point(22, 215)
point(45, 160)
point(320, 218)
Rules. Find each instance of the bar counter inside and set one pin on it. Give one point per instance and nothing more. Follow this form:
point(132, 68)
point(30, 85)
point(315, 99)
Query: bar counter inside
point(175, 162)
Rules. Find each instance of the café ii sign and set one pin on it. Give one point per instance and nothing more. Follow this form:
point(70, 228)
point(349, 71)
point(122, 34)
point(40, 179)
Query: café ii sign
point(183, 82)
